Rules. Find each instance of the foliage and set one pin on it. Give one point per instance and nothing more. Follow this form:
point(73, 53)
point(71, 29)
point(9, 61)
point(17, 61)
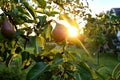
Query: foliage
point(101, 30)
point(49, 60)
point(105, 74)
point(12, 72)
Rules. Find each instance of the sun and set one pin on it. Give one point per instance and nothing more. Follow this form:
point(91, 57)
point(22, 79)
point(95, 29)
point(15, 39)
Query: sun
point(72, 32)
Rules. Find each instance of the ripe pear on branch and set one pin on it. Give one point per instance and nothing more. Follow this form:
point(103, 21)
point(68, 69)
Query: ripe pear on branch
point(59, 33)
point(7, 29)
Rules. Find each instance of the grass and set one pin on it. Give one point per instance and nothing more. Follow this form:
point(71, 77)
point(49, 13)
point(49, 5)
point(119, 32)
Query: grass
point(107, 59)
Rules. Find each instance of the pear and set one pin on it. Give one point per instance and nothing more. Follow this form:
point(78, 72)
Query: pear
point(59, 33)
point(7, 29)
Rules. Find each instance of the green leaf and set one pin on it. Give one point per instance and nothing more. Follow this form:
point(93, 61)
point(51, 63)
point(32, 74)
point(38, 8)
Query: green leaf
point(37, 70)
point(16, 1)
point(8, 60)
point(26, 64)
point(31, 10)
point(49, 46)
point(51, 13)
point(42, 20)
point(78, 1)
point(18, 21)
point(3, 52)
point(1, 36)
point(19, 32)
point(22, 10)
point(26, 18)
point(38, 43)
point(57, 49)
point(1, 2)
point(42, 3)
point(86, 72)
point(33, 40)
point(25, 56)
point(45, 76)
point(100, 76)
point(77, 76)
point(18, 50)
point(104, 72)
point(57, 62)
point(15, 11)
point(48, 30)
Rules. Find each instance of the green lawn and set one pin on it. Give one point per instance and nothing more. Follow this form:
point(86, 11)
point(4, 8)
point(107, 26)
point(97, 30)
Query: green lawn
point(109, 60)
point(105, 59)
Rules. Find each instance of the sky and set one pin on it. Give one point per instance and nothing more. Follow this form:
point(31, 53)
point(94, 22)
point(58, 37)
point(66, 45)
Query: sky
point(98, 6)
